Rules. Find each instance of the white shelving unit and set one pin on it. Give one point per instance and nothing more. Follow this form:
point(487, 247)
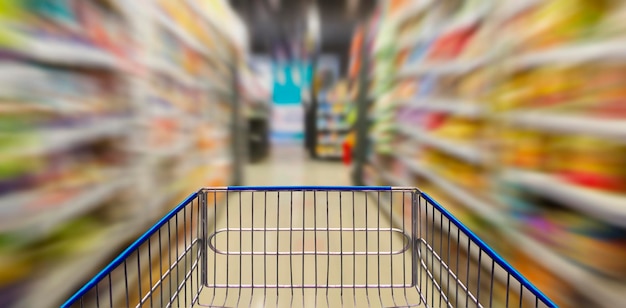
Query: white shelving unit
point(68, 53)
point(46, 220)
point(171, 70)
point(453, 67)
point(483, 208)
point(605, 206)
point(596, 51)
point(463, 151)
point(451, 106)
point(58, 139)
point(563, 123)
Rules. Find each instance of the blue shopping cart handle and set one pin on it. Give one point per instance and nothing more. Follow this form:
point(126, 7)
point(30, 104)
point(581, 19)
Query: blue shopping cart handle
point(332, 188)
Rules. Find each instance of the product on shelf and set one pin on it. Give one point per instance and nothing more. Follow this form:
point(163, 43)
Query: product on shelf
point(456, 129)
point(590, 162)
point(557, 22)
point(523, 148)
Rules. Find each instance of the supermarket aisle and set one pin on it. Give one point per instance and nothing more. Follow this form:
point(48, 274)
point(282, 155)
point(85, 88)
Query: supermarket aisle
point(289, 166)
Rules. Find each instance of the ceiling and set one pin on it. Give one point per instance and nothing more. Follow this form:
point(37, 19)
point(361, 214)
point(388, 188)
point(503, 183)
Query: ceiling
point(272, 25)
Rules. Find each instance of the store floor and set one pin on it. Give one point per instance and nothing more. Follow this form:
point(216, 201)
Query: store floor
point(291, 165)
point(334, 263)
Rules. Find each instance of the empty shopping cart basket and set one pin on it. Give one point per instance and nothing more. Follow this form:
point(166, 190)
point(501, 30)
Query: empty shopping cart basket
point(308, 247)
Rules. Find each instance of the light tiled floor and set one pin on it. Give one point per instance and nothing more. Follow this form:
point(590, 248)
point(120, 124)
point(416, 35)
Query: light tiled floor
point(290, 165)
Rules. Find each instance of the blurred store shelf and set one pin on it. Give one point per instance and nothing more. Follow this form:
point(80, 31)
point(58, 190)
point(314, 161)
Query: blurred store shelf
point(61, 52)
point(104, 100)
point(100, 248)
point(603, 291)
point(609, 207)
point(180, 32)
point(35, 221)
point(453, 67)
point(51, 140)
point(512, 112)
point(451, 106)
point(175, 72)
point(463, 196)
point(582, 52)
point(614, 128)
point(466, 152)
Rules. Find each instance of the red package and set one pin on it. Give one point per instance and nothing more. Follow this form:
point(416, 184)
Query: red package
point(347, 153)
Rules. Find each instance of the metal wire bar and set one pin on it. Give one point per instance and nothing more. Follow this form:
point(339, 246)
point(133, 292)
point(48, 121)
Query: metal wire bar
point(170, 269)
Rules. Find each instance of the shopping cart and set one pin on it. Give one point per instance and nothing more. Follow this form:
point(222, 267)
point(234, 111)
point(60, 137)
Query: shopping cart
point(305, 247)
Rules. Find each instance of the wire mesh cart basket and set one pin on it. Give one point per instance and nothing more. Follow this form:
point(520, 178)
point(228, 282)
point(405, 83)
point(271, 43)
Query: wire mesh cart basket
point(308, 247)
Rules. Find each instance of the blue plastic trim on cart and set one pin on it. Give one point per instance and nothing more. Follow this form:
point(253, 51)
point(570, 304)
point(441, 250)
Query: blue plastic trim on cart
point(335, 188)
point(126, 253)
point(494, 255)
